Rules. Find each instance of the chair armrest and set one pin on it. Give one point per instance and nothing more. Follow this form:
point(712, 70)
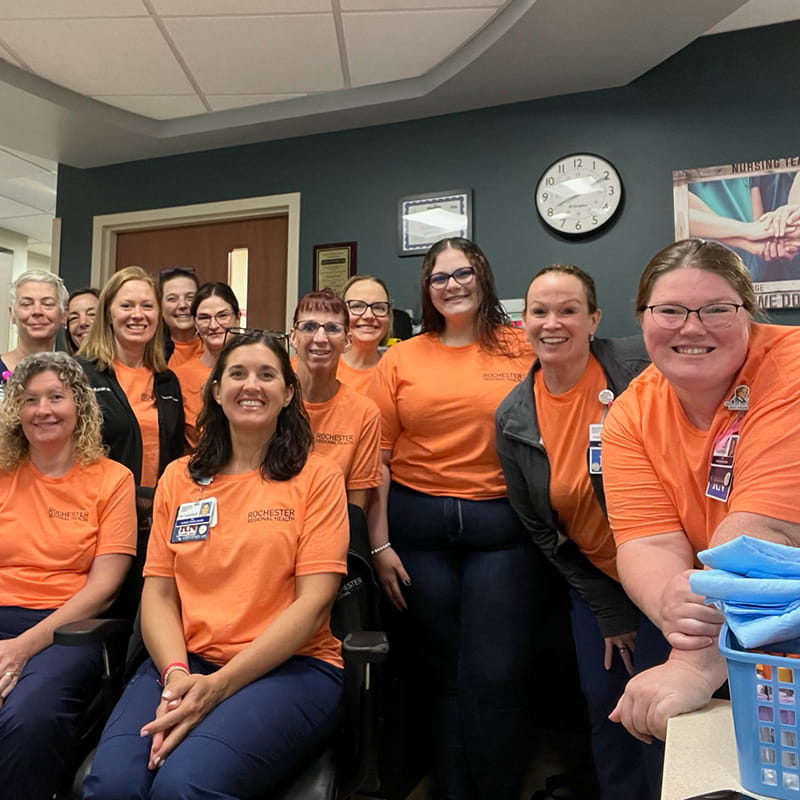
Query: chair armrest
point(366, 647)
point(90, 630)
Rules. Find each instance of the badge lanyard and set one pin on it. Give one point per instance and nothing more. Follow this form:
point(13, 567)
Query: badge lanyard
point(606, 398)
point(194, 520)
point(720, 473)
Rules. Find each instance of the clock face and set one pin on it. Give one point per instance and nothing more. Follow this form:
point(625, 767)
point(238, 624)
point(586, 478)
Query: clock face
point(578, 194)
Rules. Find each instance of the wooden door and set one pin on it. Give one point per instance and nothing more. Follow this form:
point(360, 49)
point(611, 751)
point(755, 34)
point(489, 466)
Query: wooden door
point(206, 247)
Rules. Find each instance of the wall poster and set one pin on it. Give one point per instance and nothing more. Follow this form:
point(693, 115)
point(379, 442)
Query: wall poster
point(754, 208)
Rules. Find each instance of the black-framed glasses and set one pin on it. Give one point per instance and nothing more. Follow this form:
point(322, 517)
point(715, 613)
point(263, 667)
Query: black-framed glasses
point(222, 318)
point(279, 336)
point(358, 308)
point(309, 327)
point(462, 276)
point(672, 316)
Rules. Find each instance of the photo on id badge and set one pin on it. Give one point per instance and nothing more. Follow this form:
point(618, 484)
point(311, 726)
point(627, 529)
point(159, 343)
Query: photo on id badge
point(194, 520)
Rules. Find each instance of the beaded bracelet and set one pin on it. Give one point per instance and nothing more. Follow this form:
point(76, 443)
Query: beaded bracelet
point(380, 549)
point(170, 668)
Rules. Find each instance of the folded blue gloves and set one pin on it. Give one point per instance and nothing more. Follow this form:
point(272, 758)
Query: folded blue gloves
point(756, 585)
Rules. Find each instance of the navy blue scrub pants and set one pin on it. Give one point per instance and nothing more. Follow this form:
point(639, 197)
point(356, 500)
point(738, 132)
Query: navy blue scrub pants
point(243, 747)
point(475, 594)
point(37, 719)
point(626, 768)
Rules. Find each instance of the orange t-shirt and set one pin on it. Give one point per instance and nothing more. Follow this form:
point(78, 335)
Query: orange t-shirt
point(51, 529)
point(192, 376)
point(137, 385)
point(234, 583)
point(437, 408)
point(347, 429)
point(564, 421)
point(185, 351)
point(656, 463)
point(356, 379)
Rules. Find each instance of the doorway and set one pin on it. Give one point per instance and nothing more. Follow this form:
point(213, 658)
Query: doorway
point(108, 227)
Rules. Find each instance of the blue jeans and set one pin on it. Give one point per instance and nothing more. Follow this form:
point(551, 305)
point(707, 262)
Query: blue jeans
point(626, 768)
point(476, 590)
point(244, 746)
point(37, 719)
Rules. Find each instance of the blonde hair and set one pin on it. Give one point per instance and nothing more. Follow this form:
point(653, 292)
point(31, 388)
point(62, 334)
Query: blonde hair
point(87, 443)
point(99, 345)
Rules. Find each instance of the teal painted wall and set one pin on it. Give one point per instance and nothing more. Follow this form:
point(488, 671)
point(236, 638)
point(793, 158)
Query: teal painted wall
point(723, 99)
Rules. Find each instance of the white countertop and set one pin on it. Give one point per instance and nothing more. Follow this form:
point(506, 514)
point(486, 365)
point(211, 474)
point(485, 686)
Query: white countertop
point(701, 754)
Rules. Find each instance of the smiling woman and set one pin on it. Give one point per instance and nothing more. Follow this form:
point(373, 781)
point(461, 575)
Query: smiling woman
point(77, 509)
point(268, 678)
point(345, 423)
point(452, 552)
point(555, 486)
point(36, 302)
point(123, 357)
point(708, 436)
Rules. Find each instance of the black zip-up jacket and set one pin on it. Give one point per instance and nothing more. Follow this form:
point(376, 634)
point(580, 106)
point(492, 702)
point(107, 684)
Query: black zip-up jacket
point(527, 473)
point(121, 430)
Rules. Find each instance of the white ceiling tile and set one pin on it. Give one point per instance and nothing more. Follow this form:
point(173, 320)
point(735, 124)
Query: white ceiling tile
point(53, 9)
point(157, 106)
point(417, 5)
point(45, 165)
point(38, 226)
point(221, 102)
point(229, 8)
point(260, 55)
point(98, 56)
point(11, 208)
point(391, 46)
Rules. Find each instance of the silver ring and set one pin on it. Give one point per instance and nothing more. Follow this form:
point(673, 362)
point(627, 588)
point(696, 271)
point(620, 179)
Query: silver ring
point(623, 649)
point(12, 674)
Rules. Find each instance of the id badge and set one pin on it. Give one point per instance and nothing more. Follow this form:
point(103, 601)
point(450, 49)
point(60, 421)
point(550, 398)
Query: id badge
point(595, 454)
point(720, 475)
point(193, 521)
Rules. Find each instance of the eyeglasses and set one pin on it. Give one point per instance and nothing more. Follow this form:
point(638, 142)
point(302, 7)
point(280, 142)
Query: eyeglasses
point(222, 318)
point(462, 276)
point(672, 316)
point(279, 336)
point(358, 308)
point(309, 327)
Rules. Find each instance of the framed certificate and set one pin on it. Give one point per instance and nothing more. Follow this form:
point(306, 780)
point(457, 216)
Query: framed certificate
point(334, 265)
point(423, 219)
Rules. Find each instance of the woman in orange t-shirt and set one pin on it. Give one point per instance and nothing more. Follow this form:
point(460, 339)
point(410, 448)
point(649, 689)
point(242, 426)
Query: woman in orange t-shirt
point(370, 310)
point(214, 310)
point(67, 537)
point(548, 439)
point(455, 554)
point(245, 559)
point(123, 357)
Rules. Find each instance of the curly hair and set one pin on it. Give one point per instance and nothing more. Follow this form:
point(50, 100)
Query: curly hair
point(87, 444)
point(286, 452)
point(491, 317)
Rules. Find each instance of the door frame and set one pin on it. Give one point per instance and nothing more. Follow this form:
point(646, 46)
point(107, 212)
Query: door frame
point(105, 228)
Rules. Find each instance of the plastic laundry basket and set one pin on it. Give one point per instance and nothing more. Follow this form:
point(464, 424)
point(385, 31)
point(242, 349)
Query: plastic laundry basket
point(765, 698)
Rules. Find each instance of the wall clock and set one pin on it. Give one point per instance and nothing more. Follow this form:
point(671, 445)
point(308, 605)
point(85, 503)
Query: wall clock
point(579, 194)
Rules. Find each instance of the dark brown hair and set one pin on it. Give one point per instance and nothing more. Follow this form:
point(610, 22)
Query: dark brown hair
point(490, 317)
